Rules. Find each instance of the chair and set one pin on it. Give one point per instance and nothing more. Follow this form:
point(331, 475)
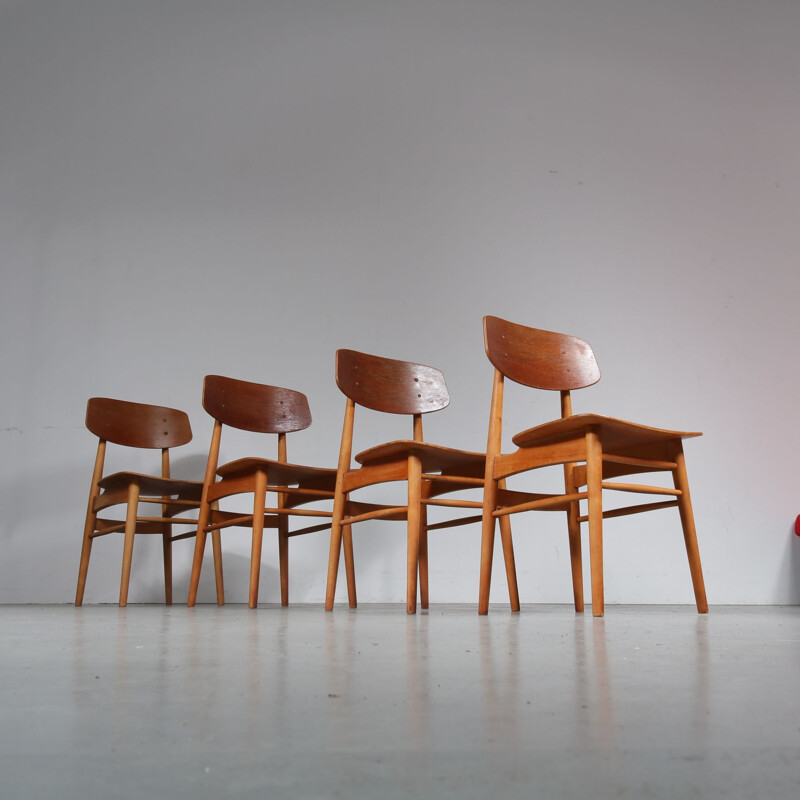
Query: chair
point(593, 449)
point(261, 409)
point(143, 426)
point(396, 387)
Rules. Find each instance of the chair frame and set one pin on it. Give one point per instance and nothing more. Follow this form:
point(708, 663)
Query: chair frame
point(141, 426)
point(407, 388)
point(259, 408)
point(591, 448)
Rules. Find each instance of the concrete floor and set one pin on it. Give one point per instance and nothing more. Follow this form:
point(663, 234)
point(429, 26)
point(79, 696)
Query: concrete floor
point(649, 702)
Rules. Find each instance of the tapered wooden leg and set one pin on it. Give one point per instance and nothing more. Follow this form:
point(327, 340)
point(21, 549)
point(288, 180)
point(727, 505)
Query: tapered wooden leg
point(216, 547)
point(414, 506)
point(199, 548)
point(423, 558)
point(197, 565)
point(349, 565)
point(508, 556)
point(166, 546)
point(574, 531)
point(594, 478)
point(259, 499)
point(283, 557)
point(575, 557)
point(91, 521)
point(689, 533)
point(86, 553)
point(335, 548)
point(333, 563)
point(339, 504)
point(127, 552)
point(487, 538)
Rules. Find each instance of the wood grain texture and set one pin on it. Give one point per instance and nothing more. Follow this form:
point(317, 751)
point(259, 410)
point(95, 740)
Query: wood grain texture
point(281, 473)
point(388, 385)
point(255, 407)
point(137, 424)
point(618, 435)
point(537, 358)
point(434, 458)
point(152, 485)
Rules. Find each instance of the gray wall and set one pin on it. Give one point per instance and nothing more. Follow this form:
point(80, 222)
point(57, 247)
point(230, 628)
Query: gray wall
point(189, 187)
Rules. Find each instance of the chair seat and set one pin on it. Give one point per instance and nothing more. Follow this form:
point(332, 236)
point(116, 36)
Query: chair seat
point(279, 472)
point(434, 458)
point(616, 434)
point(153, 485)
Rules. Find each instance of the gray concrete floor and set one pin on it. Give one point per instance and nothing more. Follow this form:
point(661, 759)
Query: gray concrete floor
point(649, 702)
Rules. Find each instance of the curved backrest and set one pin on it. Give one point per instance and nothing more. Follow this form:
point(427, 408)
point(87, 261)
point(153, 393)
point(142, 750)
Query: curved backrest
point(255, 406)
point(384, 384)
point(137, 424)
point(541, 359)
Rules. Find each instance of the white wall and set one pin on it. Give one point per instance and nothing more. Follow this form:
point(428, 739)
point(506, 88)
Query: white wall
point(189, 187)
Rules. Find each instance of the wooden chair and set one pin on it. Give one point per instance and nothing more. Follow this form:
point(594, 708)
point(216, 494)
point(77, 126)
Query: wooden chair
point(396, 387)
point(144, 426)
point(261, 409)
point(593, 449)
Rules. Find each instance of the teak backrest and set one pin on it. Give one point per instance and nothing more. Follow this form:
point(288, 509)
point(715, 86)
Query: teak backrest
point(137, 424)
point(254, 406)
point(537, 358)
point(394, 387)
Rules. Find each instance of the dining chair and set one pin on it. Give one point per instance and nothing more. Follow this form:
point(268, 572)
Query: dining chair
point(140, 426)
point(430, 471)
point(592, 449)
point(258, 408)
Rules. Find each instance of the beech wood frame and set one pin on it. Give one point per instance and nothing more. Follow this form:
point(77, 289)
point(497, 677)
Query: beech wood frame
point(592, 449)
point(430, 471)
point(265, 409)
point(142, 426)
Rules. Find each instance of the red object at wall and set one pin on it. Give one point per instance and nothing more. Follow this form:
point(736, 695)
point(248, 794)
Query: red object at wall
point(797, 526)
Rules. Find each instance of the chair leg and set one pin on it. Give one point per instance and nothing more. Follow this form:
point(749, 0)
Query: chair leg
point(574, 531)
point(575, 557)
point(259, 498)
point(199, 548)
point(283, 557)
point(349, 566)
point(166, 545)
point(333, 563)
point(216, 546)
point(487, 538)
point(508, 556)
point(86, 553)
point(689, 532)
point(423, 558)
point(127, 552)
point(336, 547)
point(594, 487)
point(414, 520)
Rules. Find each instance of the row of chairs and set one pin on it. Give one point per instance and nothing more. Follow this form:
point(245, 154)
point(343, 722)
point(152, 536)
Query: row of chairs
point(594, 452)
